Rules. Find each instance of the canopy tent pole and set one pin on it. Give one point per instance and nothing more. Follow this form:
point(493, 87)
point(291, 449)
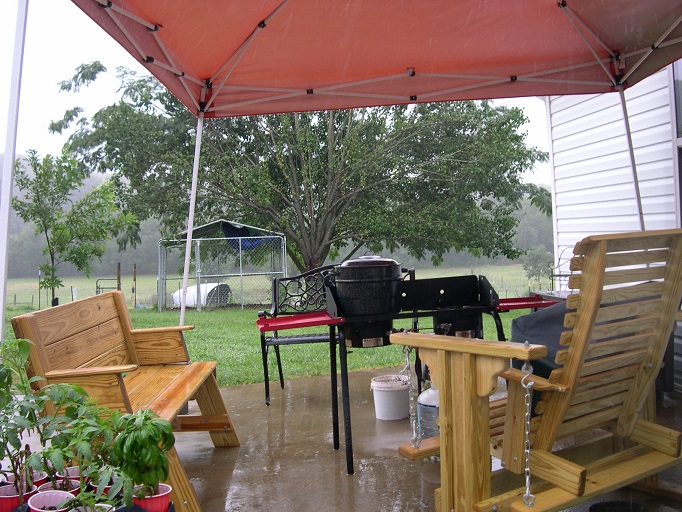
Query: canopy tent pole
point(631, 152)
point(10, 149)
point(190, 216)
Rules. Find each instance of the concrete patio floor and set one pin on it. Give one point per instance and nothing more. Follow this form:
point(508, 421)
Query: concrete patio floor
point(286, 462)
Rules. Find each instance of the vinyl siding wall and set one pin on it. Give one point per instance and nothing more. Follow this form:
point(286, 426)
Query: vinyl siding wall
point(594, 189)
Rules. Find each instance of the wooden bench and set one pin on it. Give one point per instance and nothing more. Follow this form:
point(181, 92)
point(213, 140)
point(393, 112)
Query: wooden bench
point(298, 302)
point(91, 342)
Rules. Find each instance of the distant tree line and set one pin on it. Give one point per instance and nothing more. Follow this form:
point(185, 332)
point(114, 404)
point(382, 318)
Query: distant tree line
point(25, 249)
point(25, 254)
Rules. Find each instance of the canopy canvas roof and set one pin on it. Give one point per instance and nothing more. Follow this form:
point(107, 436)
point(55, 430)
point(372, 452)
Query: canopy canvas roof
point(245, 57)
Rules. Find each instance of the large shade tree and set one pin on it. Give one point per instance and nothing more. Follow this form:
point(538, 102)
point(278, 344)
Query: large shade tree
point(429, 177)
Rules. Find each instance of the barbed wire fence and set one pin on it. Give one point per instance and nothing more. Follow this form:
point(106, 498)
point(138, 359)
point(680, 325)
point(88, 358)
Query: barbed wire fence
point(225, 272)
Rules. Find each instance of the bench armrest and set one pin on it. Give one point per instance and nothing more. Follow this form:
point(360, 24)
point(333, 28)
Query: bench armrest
point(74, 373)
point(490, 358)
point(474, 346)
point(170, 329)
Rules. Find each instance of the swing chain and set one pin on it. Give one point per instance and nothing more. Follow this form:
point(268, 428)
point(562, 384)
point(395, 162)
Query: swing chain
point(527, 369)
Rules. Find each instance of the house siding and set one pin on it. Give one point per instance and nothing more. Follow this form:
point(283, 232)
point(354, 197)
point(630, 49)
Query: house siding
point(593, 187)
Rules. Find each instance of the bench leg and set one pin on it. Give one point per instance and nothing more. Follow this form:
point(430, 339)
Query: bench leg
point(211, 404)
point(183, 495)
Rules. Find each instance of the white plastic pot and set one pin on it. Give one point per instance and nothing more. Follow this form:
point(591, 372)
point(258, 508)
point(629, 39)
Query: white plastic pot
point(47, 500)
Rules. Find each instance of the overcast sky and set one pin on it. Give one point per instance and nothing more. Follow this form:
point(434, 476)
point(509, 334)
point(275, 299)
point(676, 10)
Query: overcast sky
point(59, 37)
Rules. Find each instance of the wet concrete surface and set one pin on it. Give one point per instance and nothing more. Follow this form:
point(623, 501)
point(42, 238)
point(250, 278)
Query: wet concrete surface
point(286, 461)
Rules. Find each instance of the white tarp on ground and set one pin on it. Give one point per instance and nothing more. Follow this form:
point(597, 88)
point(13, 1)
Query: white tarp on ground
point(212, 294)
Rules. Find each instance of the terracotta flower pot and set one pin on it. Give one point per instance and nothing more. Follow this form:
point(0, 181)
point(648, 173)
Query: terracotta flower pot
point(48, 500)
point(158, 503)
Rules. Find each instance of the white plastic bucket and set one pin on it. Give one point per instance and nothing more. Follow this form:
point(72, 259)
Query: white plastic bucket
point(391, 397)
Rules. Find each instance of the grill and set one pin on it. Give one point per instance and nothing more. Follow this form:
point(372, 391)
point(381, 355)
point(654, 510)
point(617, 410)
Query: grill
point(455, 305)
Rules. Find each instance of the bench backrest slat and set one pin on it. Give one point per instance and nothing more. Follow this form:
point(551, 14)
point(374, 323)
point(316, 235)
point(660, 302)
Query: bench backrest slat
point(94, 331)
point(69, 319)
point(627, 292)
point(77, 350)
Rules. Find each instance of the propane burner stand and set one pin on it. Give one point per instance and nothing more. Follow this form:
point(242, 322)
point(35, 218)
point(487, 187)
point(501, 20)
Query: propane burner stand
point(366, 334)
point(455, 304)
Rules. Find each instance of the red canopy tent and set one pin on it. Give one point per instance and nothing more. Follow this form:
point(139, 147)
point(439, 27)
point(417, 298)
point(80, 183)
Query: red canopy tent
point(244, 57)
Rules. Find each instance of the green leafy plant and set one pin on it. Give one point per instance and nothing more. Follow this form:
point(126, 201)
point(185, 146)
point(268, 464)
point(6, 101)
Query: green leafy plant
point(80, 433)
point(20, 409)
point(74, 231)
point(140, 450)
point(77, 432)
point(87, 500)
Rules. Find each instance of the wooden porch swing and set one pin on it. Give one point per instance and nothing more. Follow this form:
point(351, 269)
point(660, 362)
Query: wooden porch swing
point(594, 427)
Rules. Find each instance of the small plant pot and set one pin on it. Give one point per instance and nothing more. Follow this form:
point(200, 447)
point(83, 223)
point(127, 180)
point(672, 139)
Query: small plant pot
point(49, 501)
point(9, 499)
point(71, 486)
point(157, 503)
point(39, 478)
point(72, 473)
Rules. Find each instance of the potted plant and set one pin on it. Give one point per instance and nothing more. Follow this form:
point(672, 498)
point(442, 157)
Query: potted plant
point(51, 458)
point(89, 500)
point(20, 409)
point(80, 434)
point(49, 501)
point(74, 431)
point(140, 450)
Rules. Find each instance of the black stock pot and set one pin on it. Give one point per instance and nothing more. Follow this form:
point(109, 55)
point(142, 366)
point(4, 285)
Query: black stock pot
point(368, 285)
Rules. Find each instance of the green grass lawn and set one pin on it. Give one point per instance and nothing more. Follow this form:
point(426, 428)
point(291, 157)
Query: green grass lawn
point(231, 338)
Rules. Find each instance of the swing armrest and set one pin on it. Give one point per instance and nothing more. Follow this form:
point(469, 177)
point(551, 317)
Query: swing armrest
point(539, 383)
point(473, 346)
point(489, 358)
